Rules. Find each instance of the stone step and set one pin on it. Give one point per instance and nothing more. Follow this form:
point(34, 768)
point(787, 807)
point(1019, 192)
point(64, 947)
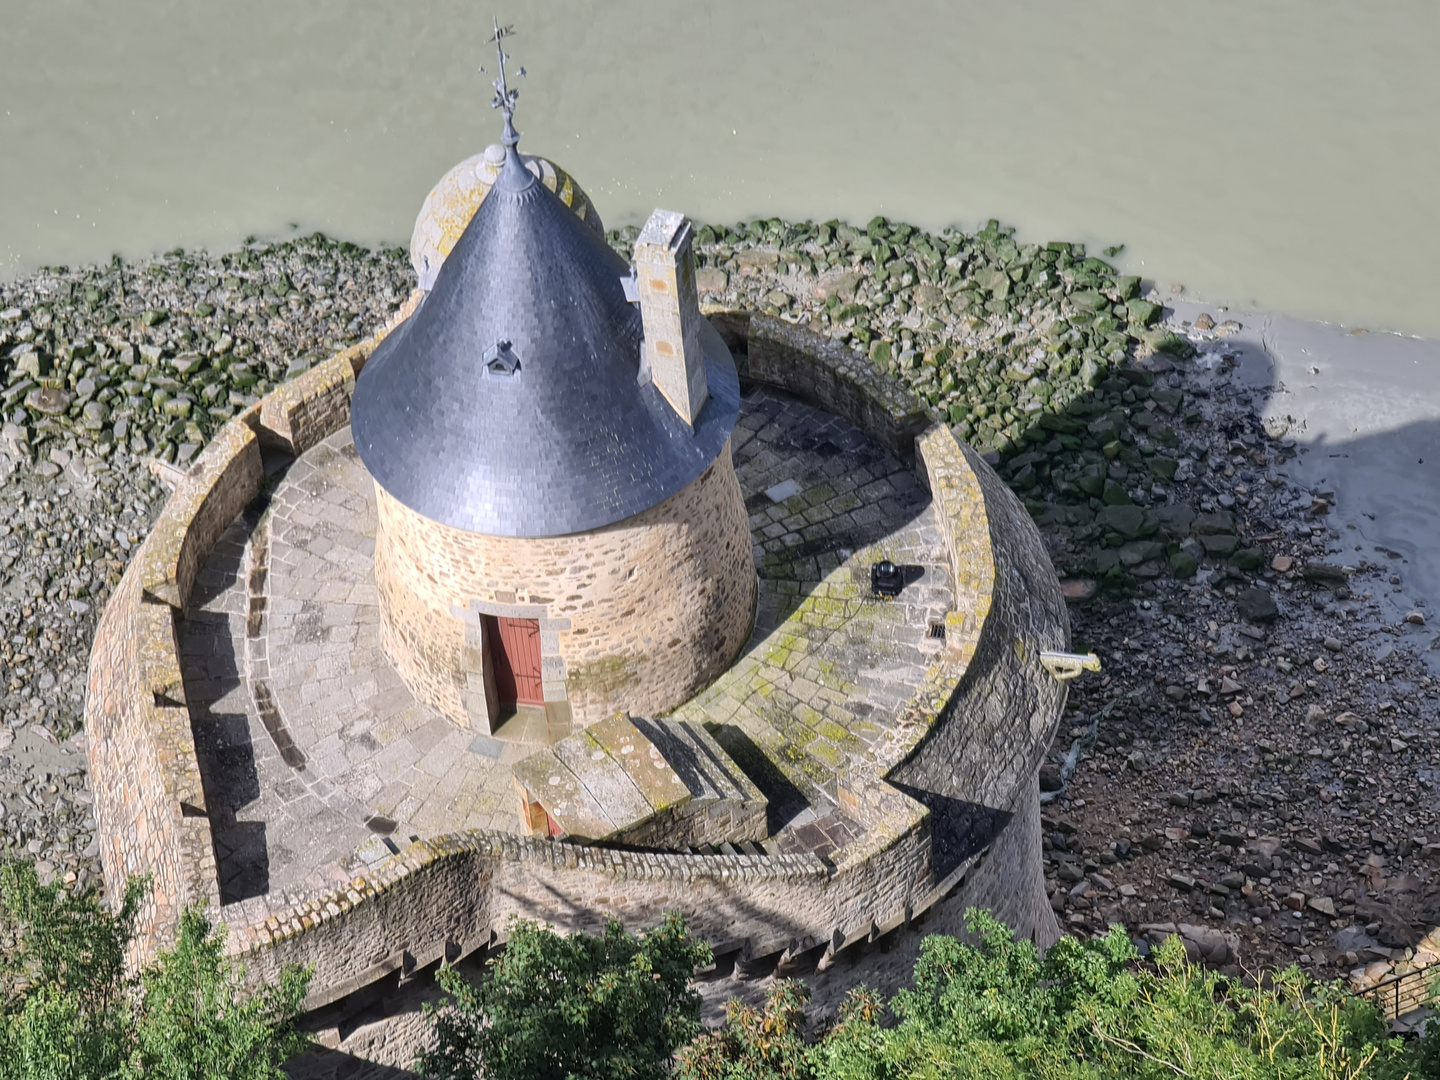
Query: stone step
point(651, 783)
point(699, 762)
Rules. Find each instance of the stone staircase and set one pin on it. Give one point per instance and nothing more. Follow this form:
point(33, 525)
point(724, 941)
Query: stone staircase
point(645, 783)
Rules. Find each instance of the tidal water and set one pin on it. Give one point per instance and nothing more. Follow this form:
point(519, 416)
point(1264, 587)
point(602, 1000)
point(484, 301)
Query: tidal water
point(1280, 154)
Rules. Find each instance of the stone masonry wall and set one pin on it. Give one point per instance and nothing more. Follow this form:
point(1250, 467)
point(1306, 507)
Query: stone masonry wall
point(140, 751)
point(311, 407)
point(983, 755)
point(1010, 880)
point(215, 489)
point(149, 803)
point(956, 488)
point(645, 611)
point(444, 896)
point(834, 375)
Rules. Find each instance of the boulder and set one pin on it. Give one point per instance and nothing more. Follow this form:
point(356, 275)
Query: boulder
point(1332, 577)
point(1142, 311)
point(1176, 520)
point(1128, 521)
point(1249, 559)
point(1183, 565)
point(1219, 545)
point(1257, 605)
point(1218, 523)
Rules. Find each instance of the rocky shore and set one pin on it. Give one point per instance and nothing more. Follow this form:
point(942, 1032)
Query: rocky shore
point(1261, 767)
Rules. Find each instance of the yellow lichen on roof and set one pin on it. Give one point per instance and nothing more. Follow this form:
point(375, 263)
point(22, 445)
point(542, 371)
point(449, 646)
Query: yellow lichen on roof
point(451, 204)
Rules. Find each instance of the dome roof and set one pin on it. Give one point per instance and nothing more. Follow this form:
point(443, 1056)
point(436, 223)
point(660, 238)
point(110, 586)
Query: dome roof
point(510, 402)
point(452, 202)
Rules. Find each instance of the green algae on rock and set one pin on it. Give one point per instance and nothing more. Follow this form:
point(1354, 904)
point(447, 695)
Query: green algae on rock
point(1025, 349)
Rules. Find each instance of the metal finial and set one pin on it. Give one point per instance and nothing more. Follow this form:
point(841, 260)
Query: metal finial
point(505, 95)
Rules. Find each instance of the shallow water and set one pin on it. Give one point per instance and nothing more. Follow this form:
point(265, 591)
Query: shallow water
point(1280, 155)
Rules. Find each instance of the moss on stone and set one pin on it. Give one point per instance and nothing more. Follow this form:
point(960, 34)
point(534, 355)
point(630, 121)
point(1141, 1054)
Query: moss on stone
point(603, 677)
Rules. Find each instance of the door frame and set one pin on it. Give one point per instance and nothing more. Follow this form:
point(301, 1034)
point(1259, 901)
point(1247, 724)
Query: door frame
point(500, 658)
point(477, 671)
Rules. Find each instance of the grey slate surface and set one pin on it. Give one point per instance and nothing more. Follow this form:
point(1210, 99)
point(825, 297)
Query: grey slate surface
point(568, 442)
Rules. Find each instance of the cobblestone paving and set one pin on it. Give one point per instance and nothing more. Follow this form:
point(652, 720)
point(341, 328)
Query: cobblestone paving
point(310, 742)
point(271, 829)
point(828, 662)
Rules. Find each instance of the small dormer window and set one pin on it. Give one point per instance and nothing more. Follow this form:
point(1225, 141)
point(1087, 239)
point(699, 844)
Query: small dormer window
point(501, 359)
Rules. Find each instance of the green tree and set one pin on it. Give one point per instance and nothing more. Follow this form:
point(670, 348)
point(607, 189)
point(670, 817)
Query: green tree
point(553, 1007)
point(64, 1007)
point(69, 1011)
point(198, 1020)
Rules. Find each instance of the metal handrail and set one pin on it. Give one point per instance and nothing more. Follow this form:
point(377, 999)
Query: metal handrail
point(1395, 983)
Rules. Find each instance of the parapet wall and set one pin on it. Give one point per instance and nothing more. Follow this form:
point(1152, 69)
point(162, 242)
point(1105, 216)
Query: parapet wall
point(311, 407)
point(986, 747)
point(975, 733)
point(833, 375)
point(448, 895)
point(149, 803)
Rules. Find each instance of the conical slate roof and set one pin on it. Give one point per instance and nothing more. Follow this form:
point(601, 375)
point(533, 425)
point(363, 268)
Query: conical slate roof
point(569, 440)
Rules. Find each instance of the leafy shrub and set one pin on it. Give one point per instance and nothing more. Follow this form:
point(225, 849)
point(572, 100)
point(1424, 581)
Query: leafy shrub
point(552, 1007)
point(68, 1011)
point(997, 1010)
point(765, 1042)
point(196, 1019)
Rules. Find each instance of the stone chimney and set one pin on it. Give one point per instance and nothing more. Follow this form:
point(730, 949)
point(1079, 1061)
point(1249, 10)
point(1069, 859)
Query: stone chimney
point(670, 312)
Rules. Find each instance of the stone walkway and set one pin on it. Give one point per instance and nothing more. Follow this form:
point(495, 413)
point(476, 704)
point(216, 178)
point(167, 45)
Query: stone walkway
point(828, 662)
point(271, 829)
point(311, 745)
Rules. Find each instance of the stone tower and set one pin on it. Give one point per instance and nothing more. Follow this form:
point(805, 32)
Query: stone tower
point(561, 534)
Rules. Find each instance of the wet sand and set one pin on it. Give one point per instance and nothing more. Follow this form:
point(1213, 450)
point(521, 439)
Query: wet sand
point(1364, 409)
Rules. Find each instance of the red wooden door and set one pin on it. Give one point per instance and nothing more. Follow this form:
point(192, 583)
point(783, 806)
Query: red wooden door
point(515, 653)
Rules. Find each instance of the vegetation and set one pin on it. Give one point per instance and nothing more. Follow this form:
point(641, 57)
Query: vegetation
point(553, 1007)
point(68, 1011)
point(613, 1006)
point(617, 1005)
point(996, 1009)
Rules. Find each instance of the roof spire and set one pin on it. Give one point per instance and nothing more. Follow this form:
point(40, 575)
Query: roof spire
point(513, 176)
point(505, 95)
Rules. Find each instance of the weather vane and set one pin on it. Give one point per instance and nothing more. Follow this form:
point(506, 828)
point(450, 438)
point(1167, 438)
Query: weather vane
point(505, 96)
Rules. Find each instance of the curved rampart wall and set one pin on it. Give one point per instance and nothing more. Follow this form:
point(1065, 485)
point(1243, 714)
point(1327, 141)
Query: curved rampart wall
point(636, 617)
point(833, 375)
point(149, 803)
point(986, 747)
point(444, 896)
point(977, 759)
